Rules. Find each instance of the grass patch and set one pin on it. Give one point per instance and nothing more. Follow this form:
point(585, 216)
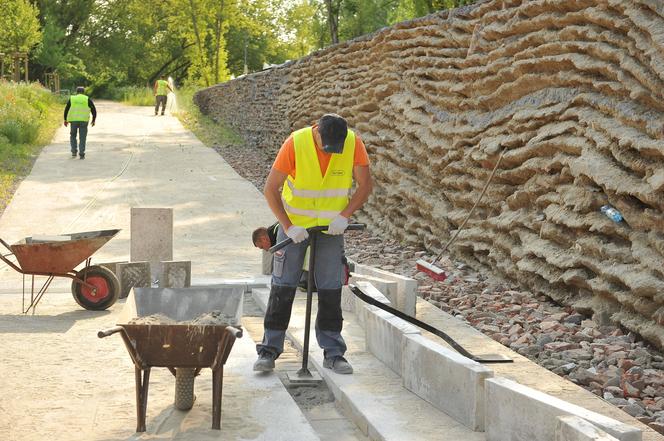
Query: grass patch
point(29, 116)
point(210, 132)
point(131, 95)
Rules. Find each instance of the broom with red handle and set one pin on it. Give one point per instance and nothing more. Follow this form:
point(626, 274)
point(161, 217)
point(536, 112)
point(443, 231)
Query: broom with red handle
point(430, 268)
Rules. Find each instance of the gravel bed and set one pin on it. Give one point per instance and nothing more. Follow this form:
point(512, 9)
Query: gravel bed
point(613, 363)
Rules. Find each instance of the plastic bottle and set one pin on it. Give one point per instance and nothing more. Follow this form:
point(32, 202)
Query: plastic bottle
point(612, 213)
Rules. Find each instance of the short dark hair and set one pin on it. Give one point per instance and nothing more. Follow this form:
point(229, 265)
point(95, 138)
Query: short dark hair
point(80, 89)
point(333, 130)
point(258, 232)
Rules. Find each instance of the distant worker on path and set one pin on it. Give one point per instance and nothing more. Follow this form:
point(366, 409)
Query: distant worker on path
point(161, 88)
point(77, 115)
point(316, 166)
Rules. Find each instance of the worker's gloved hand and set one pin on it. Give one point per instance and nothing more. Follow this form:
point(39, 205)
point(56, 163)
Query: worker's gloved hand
point(298, 234)
point(338, 225)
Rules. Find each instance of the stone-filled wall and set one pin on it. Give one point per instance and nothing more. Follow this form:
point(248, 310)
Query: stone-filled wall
point(573, 90)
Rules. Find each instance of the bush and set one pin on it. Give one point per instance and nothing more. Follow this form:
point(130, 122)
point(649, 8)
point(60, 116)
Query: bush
point(23, 109)
point(29, 115)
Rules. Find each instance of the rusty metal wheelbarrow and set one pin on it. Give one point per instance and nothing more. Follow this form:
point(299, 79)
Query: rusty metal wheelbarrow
point(184, 349)
point(94, 287)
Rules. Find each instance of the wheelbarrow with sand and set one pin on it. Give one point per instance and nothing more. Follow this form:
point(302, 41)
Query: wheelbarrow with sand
point(93, 287)
point(183, 330)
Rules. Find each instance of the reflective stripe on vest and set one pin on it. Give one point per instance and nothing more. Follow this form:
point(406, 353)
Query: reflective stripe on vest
point(162, 87)
point(311, 199)
point(79, 111)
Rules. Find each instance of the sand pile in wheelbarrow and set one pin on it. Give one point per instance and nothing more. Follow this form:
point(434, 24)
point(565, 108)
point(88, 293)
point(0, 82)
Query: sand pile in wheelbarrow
point(214, 317)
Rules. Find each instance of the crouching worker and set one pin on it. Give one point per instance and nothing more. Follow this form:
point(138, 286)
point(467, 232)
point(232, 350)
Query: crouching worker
point(265, 238)
point(315, 166)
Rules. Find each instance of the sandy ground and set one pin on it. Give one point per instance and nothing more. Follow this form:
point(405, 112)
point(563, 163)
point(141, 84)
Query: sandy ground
point(58, 380)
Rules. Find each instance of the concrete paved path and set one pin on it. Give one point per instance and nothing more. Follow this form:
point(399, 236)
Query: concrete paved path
point(58, 380)
point(134, 159)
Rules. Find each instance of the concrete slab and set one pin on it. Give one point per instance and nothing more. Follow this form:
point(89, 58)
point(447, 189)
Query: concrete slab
point(518, 412)
point(151, 237)
point(133, 275)
point(573, 428)
point(406, 296)
point(449, 381)
point(523, 370)
point(175, 274)
point(384, 337)
point(374, 397)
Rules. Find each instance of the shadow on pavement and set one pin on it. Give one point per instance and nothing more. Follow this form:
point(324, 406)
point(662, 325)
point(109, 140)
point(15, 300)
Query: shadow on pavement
point(35, 324)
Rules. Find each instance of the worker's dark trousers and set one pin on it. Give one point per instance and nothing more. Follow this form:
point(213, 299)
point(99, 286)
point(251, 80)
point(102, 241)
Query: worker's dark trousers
point(328, 273)
point(160, 99)
point(82, 128)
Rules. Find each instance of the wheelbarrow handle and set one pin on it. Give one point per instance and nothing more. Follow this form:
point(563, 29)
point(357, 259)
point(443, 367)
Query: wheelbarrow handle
point(286, 242)
point(106, 332)
point(235, 332)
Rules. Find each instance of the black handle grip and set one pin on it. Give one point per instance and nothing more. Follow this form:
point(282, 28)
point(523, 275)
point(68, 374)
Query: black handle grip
point(286, 242)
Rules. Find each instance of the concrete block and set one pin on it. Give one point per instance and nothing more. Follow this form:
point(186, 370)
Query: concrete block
point(386, 287)
point(175, 274)
point(384, 333)
point(573, 428)
point(348, 300)
point(151, 237)
point(361, 308)
point(517, 412)
point(449, 381)
point(133, 274)
point(406, 295)
point(112, 266)
point(266, 263)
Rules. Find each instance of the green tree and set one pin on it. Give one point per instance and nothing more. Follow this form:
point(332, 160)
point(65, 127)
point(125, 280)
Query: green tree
point(19, 26)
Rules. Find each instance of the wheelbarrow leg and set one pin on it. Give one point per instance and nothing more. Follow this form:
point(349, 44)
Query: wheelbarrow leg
point(141, 397)
point(217, 385)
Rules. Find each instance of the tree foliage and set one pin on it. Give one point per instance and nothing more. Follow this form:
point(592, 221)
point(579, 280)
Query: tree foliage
point(19, 26)
point(105, 44)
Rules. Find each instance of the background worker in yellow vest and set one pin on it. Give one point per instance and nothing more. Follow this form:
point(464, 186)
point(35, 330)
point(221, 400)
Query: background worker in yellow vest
point(316, 166)
point(161, 88)
point(77, 116)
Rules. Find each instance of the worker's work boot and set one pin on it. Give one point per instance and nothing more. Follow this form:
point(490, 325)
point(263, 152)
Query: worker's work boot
point(265, 362)
point(73, 154)
point(82, 156)
point(338, 364)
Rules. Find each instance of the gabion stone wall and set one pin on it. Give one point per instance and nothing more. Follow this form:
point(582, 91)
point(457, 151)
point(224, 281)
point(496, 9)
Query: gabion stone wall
point(573, 90)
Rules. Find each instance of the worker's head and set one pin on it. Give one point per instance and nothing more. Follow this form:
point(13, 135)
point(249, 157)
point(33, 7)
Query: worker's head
point(80, 89)
point(261, 239)
point(332, 129)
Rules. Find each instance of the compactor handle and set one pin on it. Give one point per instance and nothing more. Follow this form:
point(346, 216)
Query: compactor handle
point(285, 242)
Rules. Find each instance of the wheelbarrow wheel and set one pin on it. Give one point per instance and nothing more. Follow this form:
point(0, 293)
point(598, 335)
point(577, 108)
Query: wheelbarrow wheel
point(108, 288)
point(184, 388)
